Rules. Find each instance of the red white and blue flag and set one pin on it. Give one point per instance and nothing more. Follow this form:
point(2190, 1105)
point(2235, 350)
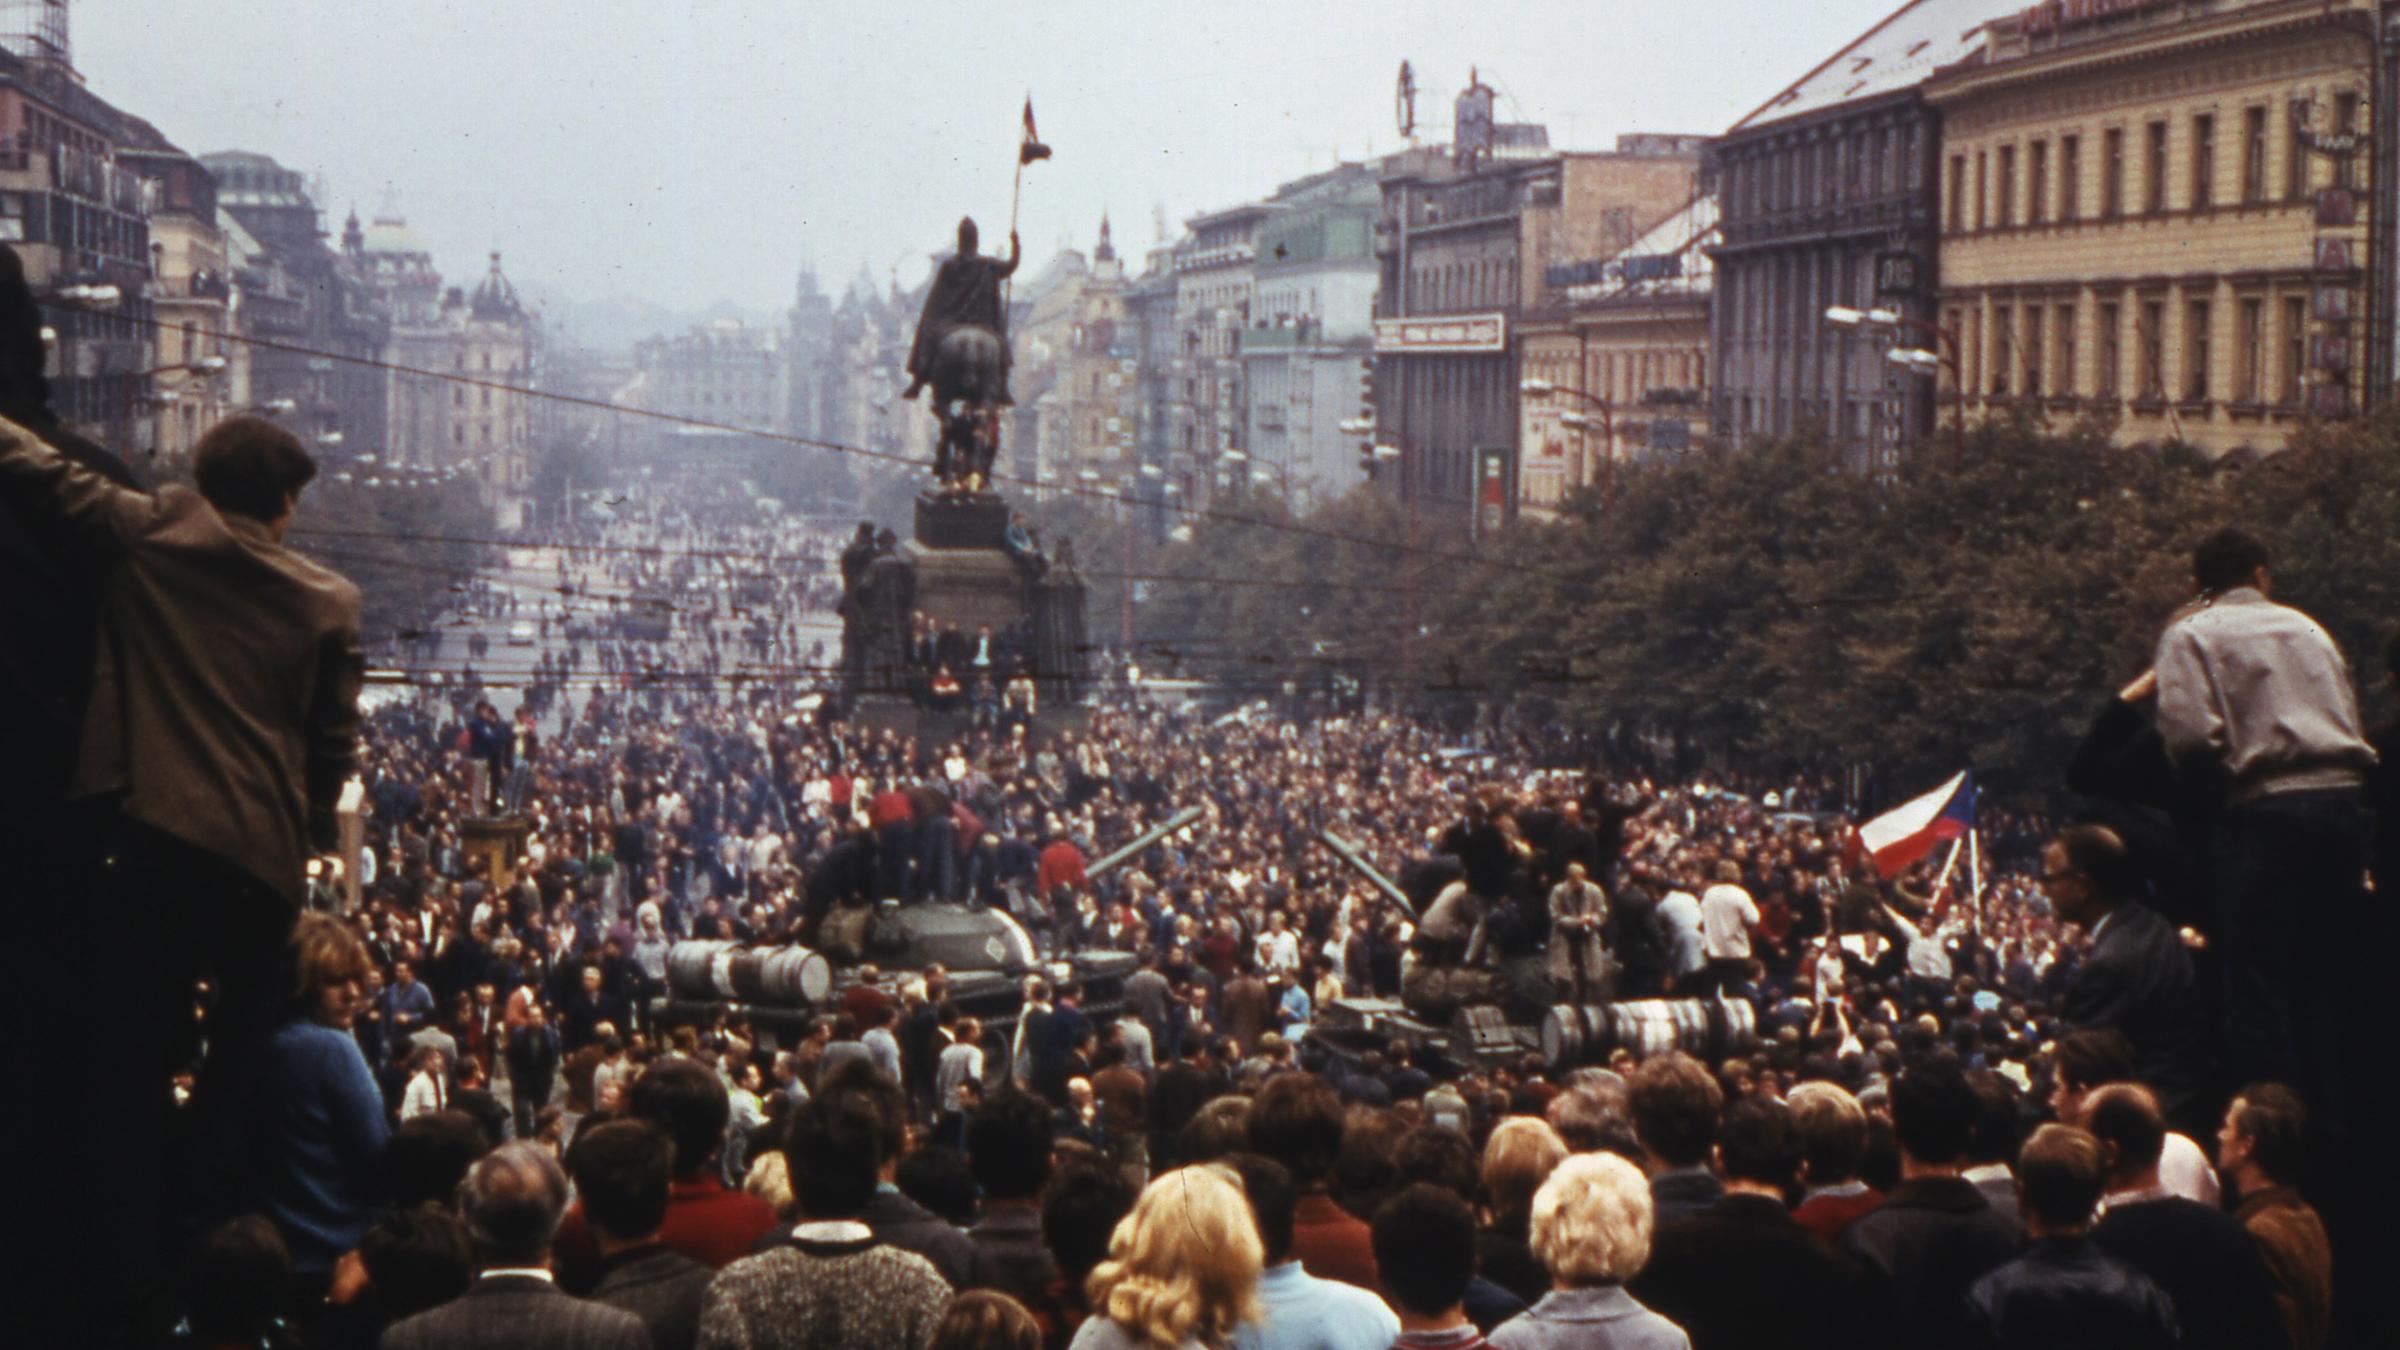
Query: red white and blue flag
point(1912, 829)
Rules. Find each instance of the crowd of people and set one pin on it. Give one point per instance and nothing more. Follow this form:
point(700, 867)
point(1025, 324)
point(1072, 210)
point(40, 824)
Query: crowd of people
point(2078, 1088)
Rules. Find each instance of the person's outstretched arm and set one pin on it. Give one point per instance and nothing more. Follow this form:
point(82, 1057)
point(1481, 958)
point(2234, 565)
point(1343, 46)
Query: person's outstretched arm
point(107, 515)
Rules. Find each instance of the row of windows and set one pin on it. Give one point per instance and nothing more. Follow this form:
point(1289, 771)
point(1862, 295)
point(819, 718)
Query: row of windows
point(2151, 348)
point(1867, 163)
point(2143, 170)
point(1489, 283)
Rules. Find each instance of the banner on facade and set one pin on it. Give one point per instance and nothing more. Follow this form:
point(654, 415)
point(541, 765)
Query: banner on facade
point(1443, 333)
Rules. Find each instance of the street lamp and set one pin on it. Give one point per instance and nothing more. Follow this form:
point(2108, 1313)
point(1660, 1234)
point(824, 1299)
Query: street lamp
point(1540, 388)
point(1889, 322)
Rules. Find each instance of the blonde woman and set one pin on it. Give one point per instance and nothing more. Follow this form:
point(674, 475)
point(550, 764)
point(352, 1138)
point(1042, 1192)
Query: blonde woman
point(1182, 1268)
point(1521, 1154)
point(1591, 1227)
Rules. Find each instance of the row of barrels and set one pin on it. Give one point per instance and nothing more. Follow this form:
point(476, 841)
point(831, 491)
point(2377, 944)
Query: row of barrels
point(1707, 1029)
point(719, 969)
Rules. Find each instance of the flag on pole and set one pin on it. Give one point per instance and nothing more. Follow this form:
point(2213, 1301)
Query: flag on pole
point(1910, 830)
point(1032, 149)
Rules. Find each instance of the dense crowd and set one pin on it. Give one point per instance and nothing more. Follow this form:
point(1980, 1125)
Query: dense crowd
point(2019, 1094)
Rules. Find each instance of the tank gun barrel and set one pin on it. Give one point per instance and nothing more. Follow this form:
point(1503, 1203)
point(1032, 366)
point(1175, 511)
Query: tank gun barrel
point(1348, 853)
point(1187, 816)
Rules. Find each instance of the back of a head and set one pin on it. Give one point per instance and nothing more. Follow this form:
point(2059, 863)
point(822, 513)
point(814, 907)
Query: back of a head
point(829, 1148)
point(937, 1178)
point(2227, 559)
point(416, 1258)
point(1592, 1221)
point(985, 1319)
point(1517, 1159)
point(1759, 1142)
point(2100, 853)
point(1184, 1265)
point(2061, 1173)
point(24, 388)
point(1439, 1157)
point(1933, 1111)
point(2125, 1118)
point(1008, 1145)
point(689, 1103)
point(1219, 1127)
point(2093, 1056)
point(1296, 1119)
point(1999, 1121)
point(1424, 1240)
point(237, 1282)
point(1592, 1121)
point(248, 466)
point(512, 1200)
point(1272, 1200)
point(1080, 1209)
point(1674, 1100)
point(2272, 1120)
point(1833, 1131)
point(426, 1158)
point(622, 1170)
point(886, 1099)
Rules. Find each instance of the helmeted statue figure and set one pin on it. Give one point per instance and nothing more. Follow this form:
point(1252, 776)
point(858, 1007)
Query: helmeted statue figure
point(961, 350)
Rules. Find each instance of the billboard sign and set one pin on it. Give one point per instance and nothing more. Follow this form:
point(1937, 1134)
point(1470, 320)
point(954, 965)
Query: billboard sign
point(1443, 333)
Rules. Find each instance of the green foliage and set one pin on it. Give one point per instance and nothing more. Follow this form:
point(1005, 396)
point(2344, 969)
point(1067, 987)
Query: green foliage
point(1786, 613)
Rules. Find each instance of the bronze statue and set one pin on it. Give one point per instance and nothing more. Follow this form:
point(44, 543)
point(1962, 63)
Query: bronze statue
point(961, 350)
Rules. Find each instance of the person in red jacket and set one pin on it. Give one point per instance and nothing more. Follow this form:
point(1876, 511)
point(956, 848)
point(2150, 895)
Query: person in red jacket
point(1058, 877)
point(893, 820)
point(705, 1221)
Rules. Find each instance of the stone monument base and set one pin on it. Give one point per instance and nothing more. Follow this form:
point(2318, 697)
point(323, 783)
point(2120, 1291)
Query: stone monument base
point(962, 520)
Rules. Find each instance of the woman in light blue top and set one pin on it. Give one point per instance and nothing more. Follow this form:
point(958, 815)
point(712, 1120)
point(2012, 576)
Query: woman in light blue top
point(322, 1123)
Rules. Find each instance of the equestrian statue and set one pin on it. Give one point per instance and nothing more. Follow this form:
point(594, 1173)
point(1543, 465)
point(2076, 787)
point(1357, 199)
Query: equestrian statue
point(961, 350)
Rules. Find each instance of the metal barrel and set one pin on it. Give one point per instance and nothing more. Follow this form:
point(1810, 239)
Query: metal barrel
point(1644, 1026)
point(1562, 1036)
point(689, 965)
point(1736, 1026)
point(795, 975)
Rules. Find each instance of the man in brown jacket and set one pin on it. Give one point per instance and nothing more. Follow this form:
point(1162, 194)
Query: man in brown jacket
point(222, 723)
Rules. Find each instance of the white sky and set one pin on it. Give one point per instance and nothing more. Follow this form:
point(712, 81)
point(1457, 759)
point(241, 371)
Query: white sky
point(683, 154)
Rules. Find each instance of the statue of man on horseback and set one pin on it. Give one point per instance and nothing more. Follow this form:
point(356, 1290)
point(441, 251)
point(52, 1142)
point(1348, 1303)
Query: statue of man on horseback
point(961, 350)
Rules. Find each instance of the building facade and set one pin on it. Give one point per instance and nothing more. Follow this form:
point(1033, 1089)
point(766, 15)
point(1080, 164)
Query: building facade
point(1465, 242)
point(1827, 198)
point(722, 371)
point(1627, 348)
point(2158, 214)
point(190, 294)
point(1214, 284)
point(1310, 340)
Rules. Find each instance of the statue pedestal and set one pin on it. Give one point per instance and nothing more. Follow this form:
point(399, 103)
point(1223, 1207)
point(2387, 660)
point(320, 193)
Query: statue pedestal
point(962, 521)
point(970, 587)
point(494, 847)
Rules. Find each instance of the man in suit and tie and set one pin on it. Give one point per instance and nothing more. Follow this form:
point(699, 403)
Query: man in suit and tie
point(2137, 976)
point(512, 1200)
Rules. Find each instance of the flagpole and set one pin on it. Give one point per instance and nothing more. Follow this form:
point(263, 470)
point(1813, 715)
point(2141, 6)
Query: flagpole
point(1975, 878)
point(1947, 864)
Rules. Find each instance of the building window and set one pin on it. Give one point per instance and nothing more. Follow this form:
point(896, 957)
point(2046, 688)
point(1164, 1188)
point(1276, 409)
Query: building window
point(2112, 356)
point(2195, 351)
point(2295, 152)
point(2064, 325)
point(2033, 351)
point(2249, 350)
point(2112, 173)
point(2254, 156)
point(1958, 194)
point(2008, 186)
point(1983, 201)
point(2295, 346)
point(2037, 181)
point(2070, 177)
point(2154, 170)
point(2003, 346)
point(2345, 121)
point(2151, 338)
point(2204, 161)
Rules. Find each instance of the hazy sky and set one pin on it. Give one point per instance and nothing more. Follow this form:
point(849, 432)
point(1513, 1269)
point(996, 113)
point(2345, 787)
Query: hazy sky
point(689, 153)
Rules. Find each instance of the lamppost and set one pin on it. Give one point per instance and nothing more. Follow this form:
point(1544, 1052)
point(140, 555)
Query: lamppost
point(1890, 322)
point(1540, 388)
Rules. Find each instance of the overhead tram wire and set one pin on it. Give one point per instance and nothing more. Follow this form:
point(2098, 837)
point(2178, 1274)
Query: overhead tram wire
point(836, 447)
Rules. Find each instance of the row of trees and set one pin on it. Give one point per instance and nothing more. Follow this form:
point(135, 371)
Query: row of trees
point(1788, 615)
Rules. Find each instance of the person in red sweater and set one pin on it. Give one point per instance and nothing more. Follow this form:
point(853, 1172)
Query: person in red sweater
point(705, 1221)
point(1061, 865)
point(1833, 1141)
point(1296, 1119)
point(893, 820)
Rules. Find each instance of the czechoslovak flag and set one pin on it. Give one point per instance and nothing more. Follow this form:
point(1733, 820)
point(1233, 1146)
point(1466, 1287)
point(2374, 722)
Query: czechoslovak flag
point(1031, 148)
point(1910, 830)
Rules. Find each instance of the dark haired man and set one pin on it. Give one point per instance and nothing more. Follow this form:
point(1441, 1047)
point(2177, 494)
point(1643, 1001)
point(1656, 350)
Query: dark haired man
point(221, 726)
point(1296, 1120)
point(1425, 1255)
point(511, 1201)
point(2260, 1150)
point(833, 1283)
point(2255, 697)
point(1008, 1149)
point(893, 1217)
point(2064, 1293)
point(621, 1171)
point(2137, 976)
point(1935, 1235)
point(1796, 1289)
point(704, 1220)
point(1674, 1102)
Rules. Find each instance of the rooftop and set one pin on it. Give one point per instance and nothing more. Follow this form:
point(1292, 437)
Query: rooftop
point(1901, 52)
